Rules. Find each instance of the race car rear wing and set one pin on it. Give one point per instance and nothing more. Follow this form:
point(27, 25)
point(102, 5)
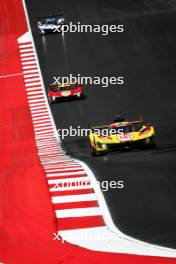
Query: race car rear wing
point(98, 127)
point(140, 120)
point(136, 124)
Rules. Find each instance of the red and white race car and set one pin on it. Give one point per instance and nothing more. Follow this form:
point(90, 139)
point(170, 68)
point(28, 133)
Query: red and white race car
point(63, 91)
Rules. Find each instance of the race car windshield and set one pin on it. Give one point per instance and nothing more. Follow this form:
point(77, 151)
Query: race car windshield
point(120, 129)
point(50, 21)
point(136, 126)
point(62, 88)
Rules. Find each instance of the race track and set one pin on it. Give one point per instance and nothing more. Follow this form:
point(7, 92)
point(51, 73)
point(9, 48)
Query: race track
point(145, 55)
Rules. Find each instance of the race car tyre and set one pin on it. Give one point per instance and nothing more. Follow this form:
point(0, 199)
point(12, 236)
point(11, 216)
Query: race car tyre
point(42, 32)
point(80, 96)
point(150, 142)
point(51, 101)
point(94, 152)
point(83, 96)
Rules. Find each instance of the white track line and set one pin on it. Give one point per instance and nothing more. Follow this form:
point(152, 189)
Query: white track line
point(11, 75)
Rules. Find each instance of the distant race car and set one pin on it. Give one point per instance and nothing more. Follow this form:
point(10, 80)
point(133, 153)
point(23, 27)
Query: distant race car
point(58, 92)
point(51, 24)
point(121, 135)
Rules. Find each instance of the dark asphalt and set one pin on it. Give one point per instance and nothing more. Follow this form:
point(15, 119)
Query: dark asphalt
point(145, 54)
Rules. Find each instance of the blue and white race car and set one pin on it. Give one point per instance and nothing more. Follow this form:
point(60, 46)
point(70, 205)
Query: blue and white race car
point(51, 24)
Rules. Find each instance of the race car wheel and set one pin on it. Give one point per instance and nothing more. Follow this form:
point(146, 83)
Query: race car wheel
point(150, 142)
point(82, 96)
point(94, 152)
point(50, 100)
point(42, 32)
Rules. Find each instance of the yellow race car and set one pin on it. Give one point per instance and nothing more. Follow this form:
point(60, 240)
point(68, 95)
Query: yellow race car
point(120, 135)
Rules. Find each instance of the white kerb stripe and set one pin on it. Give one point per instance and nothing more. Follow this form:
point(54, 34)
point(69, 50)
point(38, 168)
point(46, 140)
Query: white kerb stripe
point(35, 92)
point(70, 188)
point(55, 166)
point(29, 62)
point(33, 84)
point(29, 67)
point(43, 125)
point(69, 180)
point(66, 174)
point(28, 59)
point(65, 169)
point(81, 212)
point(26, 51)
point(27, 80)
point(33, 89)
point(30, 71)
point(74, 198)
point(28, 76)
point(27, 54)
point(31, 97)
point(25, 45)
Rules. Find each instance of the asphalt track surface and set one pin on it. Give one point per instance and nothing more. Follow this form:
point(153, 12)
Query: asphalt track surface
point(145, 55)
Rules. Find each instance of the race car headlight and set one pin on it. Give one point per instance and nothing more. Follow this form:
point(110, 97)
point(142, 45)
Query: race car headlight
point(78, 94)
point(101, 145)
point(61, 20)
point(148, 140)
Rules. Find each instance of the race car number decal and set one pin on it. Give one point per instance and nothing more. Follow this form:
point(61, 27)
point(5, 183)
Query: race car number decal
point(125, 137)
point(66, 93)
